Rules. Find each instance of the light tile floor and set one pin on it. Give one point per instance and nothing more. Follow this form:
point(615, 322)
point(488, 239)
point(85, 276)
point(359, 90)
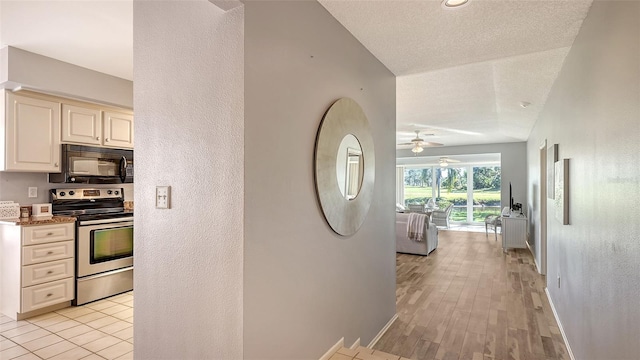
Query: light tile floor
point(98, 330)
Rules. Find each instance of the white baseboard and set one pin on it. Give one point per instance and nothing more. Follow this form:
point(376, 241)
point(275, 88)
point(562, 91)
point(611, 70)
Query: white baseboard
point(535, 260)
point(555, 315)
point(355, 344)
point(333, 350)
point(384, 330)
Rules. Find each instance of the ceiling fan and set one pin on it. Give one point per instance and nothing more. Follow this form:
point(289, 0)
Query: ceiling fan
point(419, 144)
point(444, 161)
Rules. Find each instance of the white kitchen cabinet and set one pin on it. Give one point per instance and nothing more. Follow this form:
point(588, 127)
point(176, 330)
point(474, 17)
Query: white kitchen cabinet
point(118, 129)
point(32, 134)
point(38, 268)
point(81, 125)
point(87, 125)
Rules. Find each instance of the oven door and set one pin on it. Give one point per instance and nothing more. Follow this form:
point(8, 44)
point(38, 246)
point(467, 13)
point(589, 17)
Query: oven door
point(104, 245)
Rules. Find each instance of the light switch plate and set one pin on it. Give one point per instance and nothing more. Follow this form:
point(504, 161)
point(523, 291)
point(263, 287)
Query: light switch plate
point(163, 197)
point(33, 192)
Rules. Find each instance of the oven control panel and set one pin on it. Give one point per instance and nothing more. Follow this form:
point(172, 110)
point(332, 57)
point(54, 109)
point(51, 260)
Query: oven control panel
point(86, 194)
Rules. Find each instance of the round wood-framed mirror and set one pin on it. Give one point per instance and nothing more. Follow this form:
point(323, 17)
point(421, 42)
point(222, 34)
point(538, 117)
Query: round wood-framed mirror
point(344, 166)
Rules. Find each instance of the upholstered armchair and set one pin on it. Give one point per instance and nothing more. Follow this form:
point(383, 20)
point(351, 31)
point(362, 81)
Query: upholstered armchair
point(441, 217)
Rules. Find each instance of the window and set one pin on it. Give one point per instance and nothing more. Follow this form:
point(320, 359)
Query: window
point(486, 192)
point(473, 190)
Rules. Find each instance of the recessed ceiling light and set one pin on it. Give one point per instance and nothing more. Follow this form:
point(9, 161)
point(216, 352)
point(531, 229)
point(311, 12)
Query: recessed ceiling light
point(452, 4)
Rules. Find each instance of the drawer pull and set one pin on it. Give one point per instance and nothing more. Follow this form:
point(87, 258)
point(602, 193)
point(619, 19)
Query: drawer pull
point(49, 272)
point(49, 234)
point(49, 252)
point(49, 294)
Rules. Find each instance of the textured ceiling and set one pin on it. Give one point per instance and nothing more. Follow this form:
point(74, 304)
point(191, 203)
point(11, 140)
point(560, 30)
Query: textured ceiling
point(477, 103)
point(97, 35)
point(463, 73)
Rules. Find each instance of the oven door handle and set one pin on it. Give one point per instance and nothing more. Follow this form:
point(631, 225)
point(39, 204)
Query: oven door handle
point(105, 221)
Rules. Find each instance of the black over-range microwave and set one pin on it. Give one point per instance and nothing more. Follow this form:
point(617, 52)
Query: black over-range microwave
point(94, 165)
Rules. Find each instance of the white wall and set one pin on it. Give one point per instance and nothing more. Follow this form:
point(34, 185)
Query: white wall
point(513, 165)
point(188, 60)
point(305, 286)
point(593, 113)
point(14, 186)
point(4, 62)
point(20, 67)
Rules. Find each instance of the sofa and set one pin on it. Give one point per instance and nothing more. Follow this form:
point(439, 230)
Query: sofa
point(408, 246)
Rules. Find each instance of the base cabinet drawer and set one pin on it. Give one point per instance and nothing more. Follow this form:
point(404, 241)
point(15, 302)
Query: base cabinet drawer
point(33, 235)
point(51, 293)
point(49, 271)
point(47, 252)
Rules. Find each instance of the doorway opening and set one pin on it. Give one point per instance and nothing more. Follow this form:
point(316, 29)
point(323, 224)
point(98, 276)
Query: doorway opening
point(471, 183)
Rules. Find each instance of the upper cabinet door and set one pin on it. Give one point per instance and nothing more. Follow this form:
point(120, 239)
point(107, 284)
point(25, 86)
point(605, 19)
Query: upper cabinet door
point(32, 134)
point(81, 125)
point(118, 130)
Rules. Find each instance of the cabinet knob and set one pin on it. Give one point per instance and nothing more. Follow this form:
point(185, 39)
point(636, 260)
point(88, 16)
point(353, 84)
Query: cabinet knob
point(107, 139)
point(49, 252)
point(56, 164)
point(49, 294)
point(49, 272)
point(49, 234)
point(97, 137)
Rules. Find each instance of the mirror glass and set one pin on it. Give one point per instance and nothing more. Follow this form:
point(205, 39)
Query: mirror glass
point(349, 167)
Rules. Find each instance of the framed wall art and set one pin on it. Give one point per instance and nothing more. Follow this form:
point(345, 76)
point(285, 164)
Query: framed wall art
point(552, 157)
point(562, 191)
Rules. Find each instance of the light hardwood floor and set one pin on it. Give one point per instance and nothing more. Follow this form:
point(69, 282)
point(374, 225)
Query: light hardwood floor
point(468, 300)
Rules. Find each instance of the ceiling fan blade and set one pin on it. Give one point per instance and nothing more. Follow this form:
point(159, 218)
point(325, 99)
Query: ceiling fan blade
point(404, 144)
point(415, 126)
point(452, 160)
point(432, 144)
point(406, 134)
point(456, 131)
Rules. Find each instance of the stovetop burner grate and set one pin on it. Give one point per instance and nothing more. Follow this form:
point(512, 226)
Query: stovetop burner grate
point(89, 203)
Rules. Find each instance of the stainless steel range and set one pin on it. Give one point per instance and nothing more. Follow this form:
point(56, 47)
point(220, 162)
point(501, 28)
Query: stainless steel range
point(104, 240)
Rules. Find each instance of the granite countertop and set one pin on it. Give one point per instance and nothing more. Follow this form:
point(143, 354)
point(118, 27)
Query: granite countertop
point(35, 221)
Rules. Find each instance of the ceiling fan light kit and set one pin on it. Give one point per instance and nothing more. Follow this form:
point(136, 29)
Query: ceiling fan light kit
point(444, 161)
point(419, 144)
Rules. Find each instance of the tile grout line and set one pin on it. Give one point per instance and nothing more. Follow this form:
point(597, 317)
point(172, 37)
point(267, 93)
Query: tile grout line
point(56, 313)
